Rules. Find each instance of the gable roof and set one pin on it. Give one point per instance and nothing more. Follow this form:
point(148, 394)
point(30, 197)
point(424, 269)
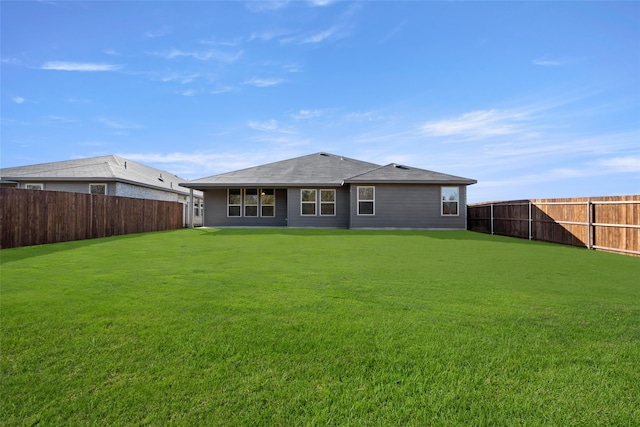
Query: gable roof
point(321, 169)
point(110, 168)
point(407, 175)
point(324, 169)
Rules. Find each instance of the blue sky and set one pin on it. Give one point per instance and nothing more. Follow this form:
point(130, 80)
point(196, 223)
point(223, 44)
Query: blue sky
point(532, 99)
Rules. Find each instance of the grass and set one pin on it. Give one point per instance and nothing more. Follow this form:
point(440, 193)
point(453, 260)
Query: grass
point(318, 327)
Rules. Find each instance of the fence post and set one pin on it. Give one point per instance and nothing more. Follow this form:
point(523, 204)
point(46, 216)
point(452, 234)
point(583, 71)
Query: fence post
point(530, 220)
point(491, 218)
point(589, 220)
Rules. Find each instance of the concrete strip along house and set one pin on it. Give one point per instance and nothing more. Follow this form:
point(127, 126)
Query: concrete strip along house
point(109, 175)
point(326, 190)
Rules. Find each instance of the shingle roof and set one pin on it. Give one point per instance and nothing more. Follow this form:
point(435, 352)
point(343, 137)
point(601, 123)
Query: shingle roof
point(100, 169)
point(407, 175)
point(324, 169)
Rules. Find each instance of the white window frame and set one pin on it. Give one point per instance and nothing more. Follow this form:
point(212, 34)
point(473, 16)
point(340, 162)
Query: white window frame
point(34, 186)
point(98, 184)
point(314, 203)
point(229, 205)
point(247, 205)
point(443, 201)
point(263, 204)
point(372, 201)
point(333, 203)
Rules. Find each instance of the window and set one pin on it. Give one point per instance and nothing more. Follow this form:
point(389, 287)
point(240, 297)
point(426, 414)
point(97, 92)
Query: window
point(366, 200)
point(268, 202)
point(308, 202)
point(234, 202)
point(32, 186)
point(450, 199)
point(327, 202)
point(251, 202)
point(98, 188)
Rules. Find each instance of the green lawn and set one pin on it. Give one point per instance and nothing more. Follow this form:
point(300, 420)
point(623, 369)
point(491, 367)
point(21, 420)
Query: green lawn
point(318, 327)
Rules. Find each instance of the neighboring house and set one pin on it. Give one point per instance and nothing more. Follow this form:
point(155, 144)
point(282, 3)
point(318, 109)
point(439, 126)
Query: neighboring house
point(110, 175)
point(325, 190)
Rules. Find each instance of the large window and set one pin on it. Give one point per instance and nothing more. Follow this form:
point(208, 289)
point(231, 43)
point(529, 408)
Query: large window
point(327, 202)
point(251, 202)
point(234, 202)
point(268, 202)
point(32, 186)
point(308, 202)
point(450, 200)
point(366, 200)
point(98, 188)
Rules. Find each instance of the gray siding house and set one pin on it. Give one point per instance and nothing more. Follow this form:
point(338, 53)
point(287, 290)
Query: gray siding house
point(109, 175)
point(326, 190)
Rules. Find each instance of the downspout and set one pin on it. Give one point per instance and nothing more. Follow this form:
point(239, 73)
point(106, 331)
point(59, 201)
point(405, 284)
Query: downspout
point(191, 208)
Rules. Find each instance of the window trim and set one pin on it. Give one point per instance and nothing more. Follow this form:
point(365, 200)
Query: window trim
point(243, 202)
point(262, 194)
point(248, 205)
point(39, 185)
point(443, 201)
point(229, 205)
point(372, 201)
point(98, 184)
point(314, 203)
point(333, 203)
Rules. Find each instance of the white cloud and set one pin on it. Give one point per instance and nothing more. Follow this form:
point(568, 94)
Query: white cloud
point(480, 123)
point(319, 36)
point(263, 82)
point(203, 55)
point(266, 5)
point(12, 61)
point(188, 92)
point(307, 114)
point(547, 61)
point(158, 33)
point(270, 126)
point(18, 99)
point(321, 3)
point(118, 124)
point(622, 164)
point(79, 66)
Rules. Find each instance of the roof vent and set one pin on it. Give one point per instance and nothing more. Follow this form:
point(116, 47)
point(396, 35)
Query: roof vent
point(324, 154)
point(400, 167)
point(160, 178)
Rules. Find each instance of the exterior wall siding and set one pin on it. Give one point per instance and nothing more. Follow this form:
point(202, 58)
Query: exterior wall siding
point(408, 206)
point(215, 213)
point(339, 220)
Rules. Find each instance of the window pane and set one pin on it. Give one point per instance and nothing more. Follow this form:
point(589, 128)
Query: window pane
point(308, 209)
point(450, 194)
point(308, 195)
point(250, 211)
point(365, 193)
point(234, 197)
point(97, 189)
point(365, 208)
point(268, 211)
point(268, 196)
point(450, 208)
point(251, 196)
point(234, 210)
point(327, 209)
point(327, 195)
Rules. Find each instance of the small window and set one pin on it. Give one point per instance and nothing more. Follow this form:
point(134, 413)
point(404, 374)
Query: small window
point(366, 200)
point(32, 186)
point(98, 189)
point(268, 202)
point(251, 202)
point(234, 202)
point(308, 202)
point(327, 202)
point(450, 200)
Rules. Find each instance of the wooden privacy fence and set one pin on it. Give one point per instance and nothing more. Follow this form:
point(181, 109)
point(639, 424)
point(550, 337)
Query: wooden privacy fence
point(34, 217)
point(603, 223)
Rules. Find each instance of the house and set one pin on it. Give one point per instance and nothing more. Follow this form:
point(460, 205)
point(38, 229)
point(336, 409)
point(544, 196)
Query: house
point(326, 190)
point(109, 175)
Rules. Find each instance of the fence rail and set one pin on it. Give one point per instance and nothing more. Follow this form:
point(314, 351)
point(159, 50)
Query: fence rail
point(34, 217)
point(603, 223)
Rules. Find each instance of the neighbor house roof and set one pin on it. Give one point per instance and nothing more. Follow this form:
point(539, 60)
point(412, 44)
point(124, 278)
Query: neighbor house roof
point(110, 168)
point(323, 169)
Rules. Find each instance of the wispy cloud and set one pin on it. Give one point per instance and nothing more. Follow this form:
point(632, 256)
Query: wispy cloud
point(270, 126)
point(264, 82)
point(18, 99)
point(180, 77)
point(321, 3)
point(394, 32)
point(79, 66)
point(622, 164)
point(548, 61)
point(265, 6)
point(307, 114)
point(158, 33)
point(202, 55)
point(118, 124)
point(479, 123)
point(11, 61)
